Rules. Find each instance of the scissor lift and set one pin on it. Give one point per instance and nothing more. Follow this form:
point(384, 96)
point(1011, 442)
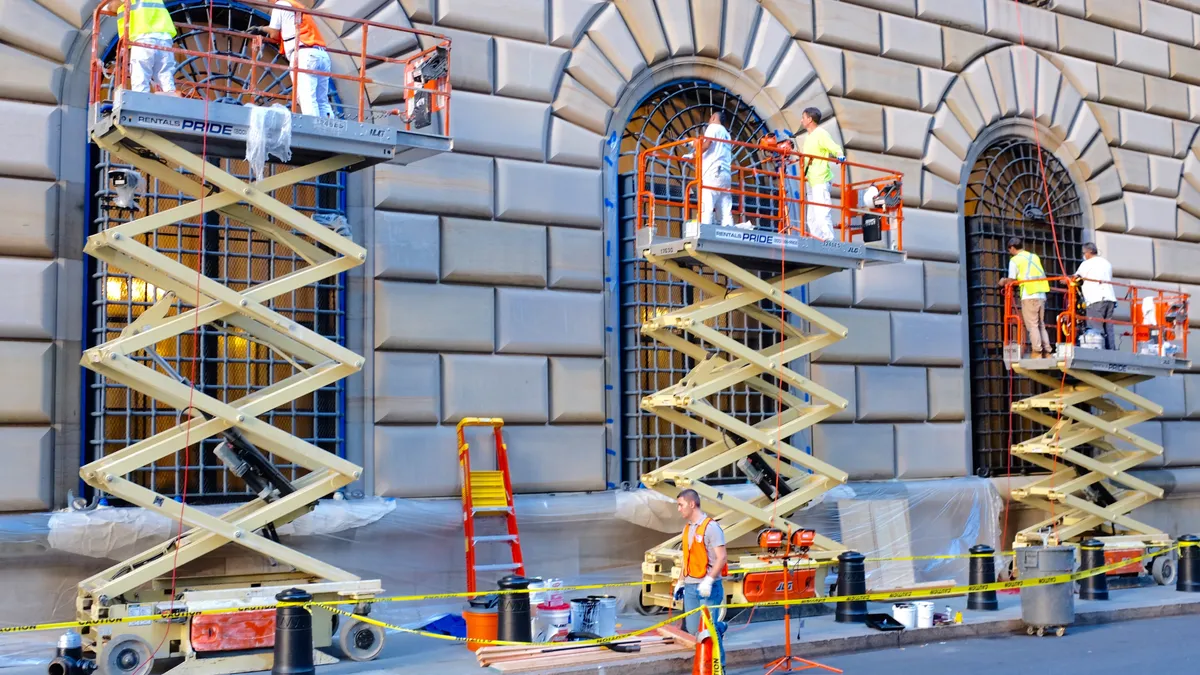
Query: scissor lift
point(761, 267)
point(1088, 407)
point(163, 137)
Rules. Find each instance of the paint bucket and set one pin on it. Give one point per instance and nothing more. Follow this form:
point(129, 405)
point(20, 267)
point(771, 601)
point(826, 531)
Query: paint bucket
point(924, 614)
point(606, 615)
point(553, 623)
point(596, 614)
point(905, 614)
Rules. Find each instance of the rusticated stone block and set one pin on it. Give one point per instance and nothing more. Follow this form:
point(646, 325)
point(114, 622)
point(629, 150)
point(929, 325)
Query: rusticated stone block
point(434, 316)
point(524, 70)
point(563, 195)
point(1086, 39)
point(478, 385)
point(947, 399)
point(911, 40)
point(1143, 54)
point(927, 339)
point(932, 451)
point(408, 387)
point(576, 390)
point(861, 123)
point(449, 184)
point(522, 19)
point(841, 381)
point(27, 481)
point(891, 394)
point(942, 287)
point(864, 451)
point(576, 259)
point(844, 25)
point(480, 251)
point(549, 322)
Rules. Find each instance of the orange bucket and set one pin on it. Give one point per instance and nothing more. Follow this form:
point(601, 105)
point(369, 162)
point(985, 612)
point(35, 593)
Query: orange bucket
point(482, 624)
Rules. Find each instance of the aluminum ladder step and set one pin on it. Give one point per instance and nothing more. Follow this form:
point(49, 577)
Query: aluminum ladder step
point(502, 567)
point(495, 537)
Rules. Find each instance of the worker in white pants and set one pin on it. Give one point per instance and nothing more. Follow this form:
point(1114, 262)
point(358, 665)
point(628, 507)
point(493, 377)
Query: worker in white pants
point(304, 46)
point(818, 174)
point(150, 24)
point(714, 166)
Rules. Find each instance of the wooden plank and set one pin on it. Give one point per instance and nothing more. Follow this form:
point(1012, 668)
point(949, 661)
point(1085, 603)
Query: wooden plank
point(680, 636)
point(574, 659)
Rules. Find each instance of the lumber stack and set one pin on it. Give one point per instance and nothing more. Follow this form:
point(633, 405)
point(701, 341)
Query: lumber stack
point(519, 659)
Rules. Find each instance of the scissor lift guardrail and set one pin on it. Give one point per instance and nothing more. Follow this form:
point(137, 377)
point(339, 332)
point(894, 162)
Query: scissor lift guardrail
point(762, 263)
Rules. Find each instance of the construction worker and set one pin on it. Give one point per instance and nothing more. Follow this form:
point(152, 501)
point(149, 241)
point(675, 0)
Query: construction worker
point(704, 563)
point(818, 173)
point(312, 91)
point(1026, 267)
point(1098, 296)
point(714, 165)
point(149, 23)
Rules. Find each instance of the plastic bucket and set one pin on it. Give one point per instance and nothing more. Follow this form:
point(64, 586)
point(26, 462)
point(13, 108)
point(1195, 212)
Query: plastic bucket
point(553, 623)
point(482, 624)
point(905, 614)
point(924, 614)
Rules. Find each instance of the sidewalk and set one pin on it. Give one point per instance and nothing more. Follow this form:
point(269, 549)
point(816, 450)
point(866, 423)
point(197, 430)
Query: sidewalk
point(758, 643)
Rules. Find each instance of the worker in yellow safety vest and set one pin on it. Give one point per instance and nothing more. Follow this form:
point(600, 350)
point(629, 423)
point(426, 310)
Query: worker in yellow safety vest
point(818, 174)
point(705, 562)
point(1025, 267)
point(149, 24)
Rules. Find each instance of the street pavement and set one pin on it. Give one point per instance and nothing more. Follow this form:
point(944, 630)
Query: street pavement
point(1152, 645)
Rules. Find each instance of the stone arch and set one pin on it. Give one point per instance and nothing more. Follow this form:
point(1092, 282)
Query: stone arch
point(1013, 82)
point(625, 49)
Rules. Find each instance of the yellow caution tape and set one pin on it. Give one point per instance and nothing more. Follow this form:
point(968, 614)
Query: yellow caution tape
point(706, 615)
point(508, 643)
point(872, 597)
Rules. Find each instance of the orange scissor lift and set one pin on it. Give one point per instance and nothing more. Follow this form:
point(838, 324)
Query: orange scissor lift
point(1089, 408)
point(178, 142)
point(744, 267)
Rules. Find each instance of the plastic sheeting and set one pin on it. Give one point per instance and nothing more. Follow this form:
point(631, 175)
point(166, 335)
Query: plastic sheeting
point(416, 546)
point(270, 133)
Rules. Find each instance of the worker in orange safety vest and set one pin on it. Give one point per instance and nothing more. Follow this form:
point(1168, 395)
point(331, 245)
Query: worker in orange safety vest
point(704, 563)
point(303, 46)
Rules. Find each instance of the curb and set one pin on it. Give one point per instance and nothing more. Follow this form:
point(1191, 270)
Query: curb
point(756, 655)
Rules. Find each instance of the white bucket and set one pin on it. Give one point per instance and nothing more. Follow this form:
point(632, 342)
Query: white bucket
point(924, 614)
point(553, 623)
point(905, 614)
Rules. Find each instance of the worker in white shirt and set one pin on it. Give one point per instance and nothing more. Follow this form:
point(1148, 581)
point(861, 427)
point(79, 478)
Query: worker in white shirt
point(289, 27)
point(818, 173)
point(714, 166)
point(1098, 296)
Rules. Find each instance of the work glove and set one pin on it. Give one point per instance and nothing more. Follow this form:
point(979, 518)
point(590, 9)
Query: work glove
point(679, 591)
point(257, 30)
point(705, 587)
point(841, 158)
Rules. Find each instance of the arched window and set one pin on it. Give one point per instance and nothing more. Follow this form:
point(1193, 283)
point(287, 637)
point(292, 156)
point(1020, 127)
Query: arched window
point(1007, 197)
point(677, 110)
point(224, 366)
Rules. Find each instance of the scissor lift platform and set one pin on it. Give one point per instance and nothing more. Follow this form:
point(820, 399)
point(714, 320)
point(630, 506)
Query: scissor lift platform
point(765, 251)
point(746, 270)
point(1102, 360)
point(221, 129)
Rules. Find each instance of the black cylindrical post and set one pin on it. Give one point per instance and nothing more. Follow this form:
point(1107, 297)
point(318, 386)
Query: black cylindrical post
point(293, 635)
point(1188, 579)
point(514, 620)
point(1095, 587)
point(852, 580)
point(982, 570)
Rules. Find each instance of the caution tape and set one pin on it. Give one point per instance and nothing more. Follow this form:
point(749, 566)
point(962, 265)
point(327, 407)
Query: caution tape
point(871, 597)
point(508, 643)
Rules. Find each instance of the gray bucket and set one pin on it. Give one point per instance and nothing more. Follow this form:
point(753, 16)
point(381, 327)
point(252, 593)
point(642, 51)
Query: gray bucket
point(595, 614)
point(1051, 605)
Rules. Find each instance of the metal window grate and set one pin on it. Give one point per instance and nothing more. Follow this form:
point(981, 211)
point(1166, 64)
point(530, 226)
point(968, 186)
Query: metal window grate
point(1006, 197)
point(677, 110)
point(226, 366)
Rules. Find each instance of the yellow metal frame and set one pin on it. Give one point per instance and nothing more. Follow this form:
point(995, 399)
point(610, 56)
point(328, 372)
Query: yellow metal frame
point(1062, 410)
point(318, 362)
point(685, 404)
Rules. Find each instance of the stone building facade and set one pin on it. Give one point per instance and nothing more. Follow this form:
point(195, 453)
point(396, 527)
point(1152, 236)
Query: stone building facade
point(494, 283)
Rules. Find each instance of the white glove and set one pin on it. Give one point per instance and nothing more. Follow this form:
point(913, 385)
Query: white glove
point(705, 587)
